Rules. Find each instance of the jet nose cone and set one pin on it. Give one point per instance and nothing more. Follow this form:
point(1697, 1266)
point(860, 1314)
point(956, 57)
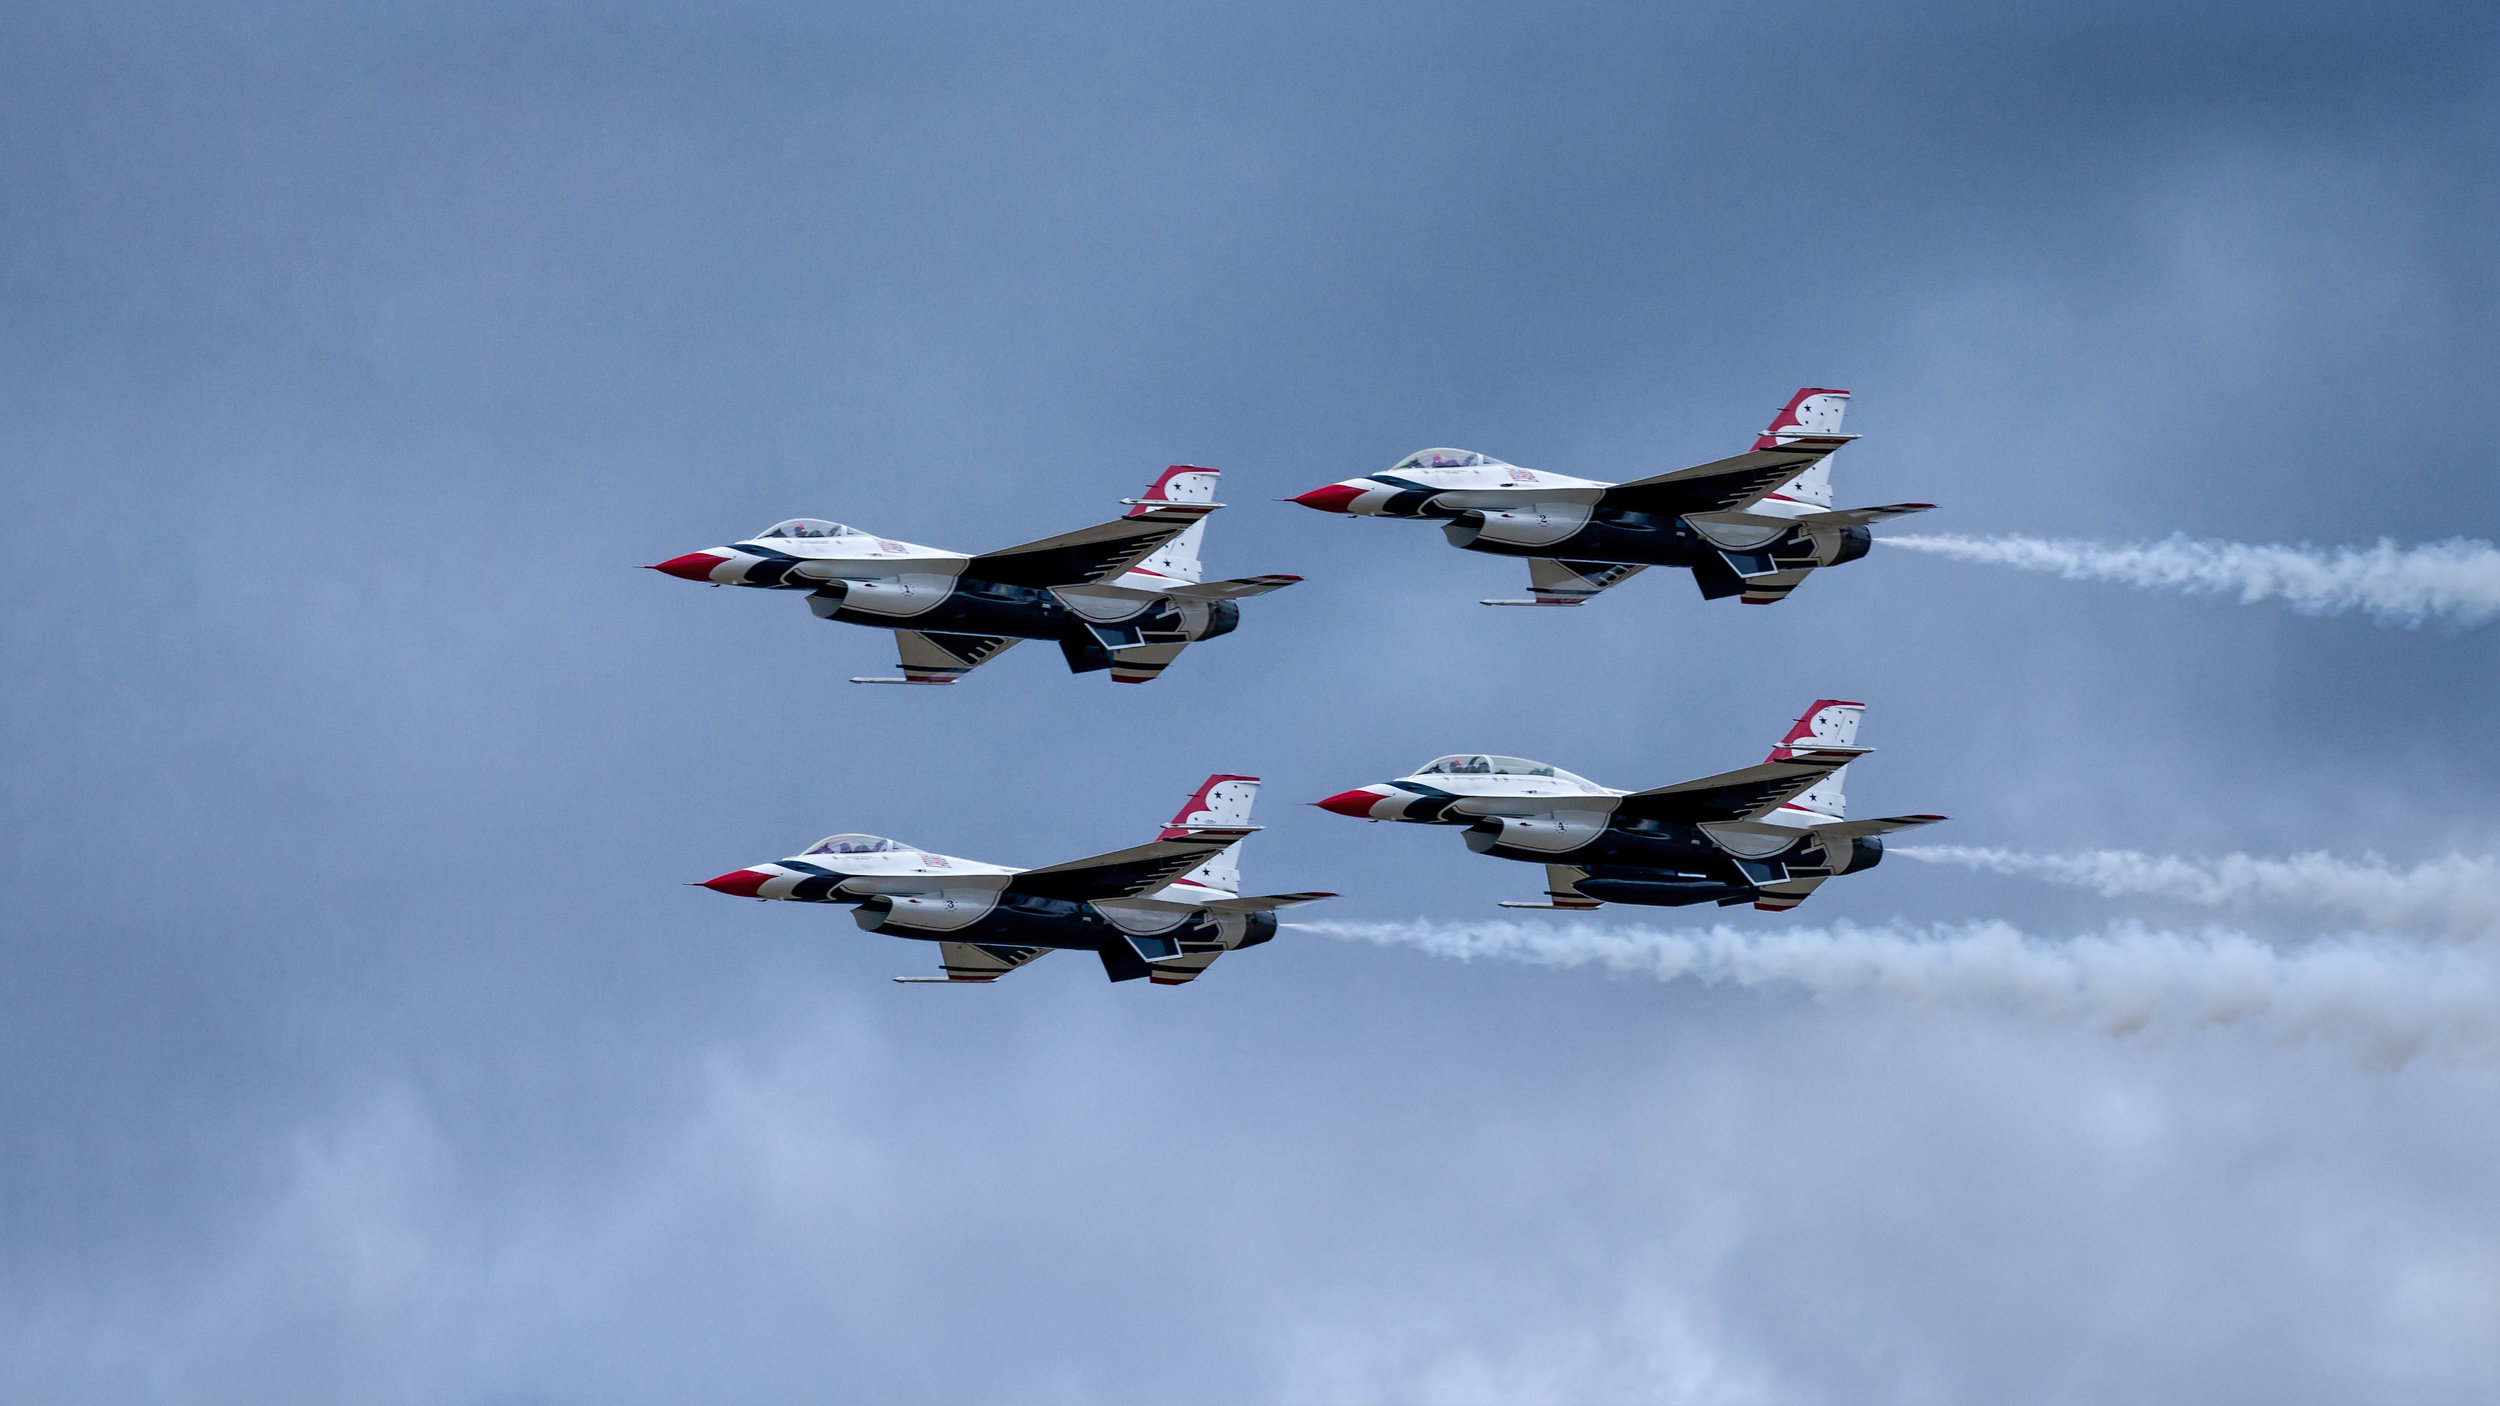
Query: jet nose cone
point(1331, 499)
point(738, 883)
point(693, 566)
point(1354, 803)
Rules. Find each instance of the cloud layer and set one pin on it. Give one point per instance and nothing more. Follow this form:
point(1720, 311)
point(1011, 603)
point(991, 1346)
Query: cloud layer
point(363, 1041)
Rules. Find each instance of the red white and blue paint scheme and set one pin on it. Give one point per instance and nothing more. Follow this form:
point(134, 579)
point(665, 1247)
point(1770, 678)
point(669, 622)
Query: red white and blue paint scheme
point(1751, 526)
point(1125, 596)
point(1164, 910)
point(1768, 835)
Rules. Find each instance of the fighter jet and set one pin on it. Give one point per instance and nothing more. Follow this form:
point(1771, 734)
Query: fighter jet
point(1124, 596)
point(1768, 835)
point(1750, 526)
point(1164, 910)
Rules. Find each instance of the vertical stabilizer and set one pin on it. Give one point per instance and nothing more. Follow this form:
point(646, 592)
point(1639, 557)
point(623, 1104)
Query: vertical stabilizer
point(1810, 414)
point(1830, 722)
point(1220, 802)
point(1181, 483)
point(1174, 563)
point(1176, 560)
point(1810, 491)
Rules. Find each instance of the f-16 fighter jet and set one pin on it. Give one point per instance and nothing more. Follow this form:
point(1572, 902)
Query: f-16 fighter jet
point(1124, 596)
point(1767, 835)
point(1164, 910)
point(1750, 526)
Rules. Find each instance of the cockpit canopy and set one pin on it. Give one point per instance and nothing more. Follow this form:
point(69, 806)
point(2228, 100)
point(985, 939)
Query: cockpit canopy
point(1445, 459)
point(803, 527)
point(854, 844)
point(1466, 765)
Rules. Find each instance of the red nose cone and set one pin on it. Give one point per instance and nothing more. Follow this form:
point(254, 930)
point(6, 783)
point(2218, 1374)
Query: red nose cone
point(693, 566)
point(1355, 803)
point(1331, 499)
point(738, 883)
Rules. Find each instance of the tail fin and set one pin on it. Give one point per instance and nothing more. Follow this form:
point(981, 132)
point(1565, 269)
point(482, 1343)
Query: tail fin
point(1812, 413)
point(1181, 483)
point(1221, 802)
point(1174, 563)
point(1830, 722)
point(1176, 560)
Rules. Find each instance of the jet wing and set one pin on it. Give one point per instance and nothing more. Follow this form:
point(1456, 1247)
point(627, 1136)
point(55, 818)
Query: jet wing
point(1719, 486)
point(1127, 873)
point(937, 659)
point(1261, 903)
point(1552, 582)
point(978, 961)
point(1853, 829)
point(1240, 589)
point(1090, 554)
point(1861, 517)
point(1838, 519)
point(1737, 795)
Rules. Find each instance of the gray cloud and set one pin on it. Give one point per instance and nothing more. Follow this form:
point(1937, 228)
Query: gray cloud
point(363, 1042)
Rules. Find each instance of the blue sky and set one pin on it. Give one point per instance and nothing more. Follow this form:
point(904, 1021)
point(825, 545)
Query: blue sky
point(363, 1042)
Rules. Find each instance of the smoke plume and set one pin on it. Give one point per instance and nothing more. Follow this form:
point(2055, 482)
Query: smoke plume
point(2456, 580)
point(2458, 895)
point(2390, 1001)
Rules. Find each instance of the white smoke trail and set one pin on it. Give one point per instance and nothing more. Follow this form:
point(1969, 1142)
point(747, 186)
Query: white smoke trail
point(2458, 895)
point(2390, 1001)
point(2457, 579)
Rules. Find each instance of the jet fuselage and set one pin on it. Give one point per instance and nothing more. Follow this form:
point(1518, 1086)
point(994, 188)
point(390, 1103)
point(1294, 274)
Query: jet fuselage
point(861, 580)
point(1660, 863)
point(903, 892)
point(1535, 520)
point(1512, 808)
